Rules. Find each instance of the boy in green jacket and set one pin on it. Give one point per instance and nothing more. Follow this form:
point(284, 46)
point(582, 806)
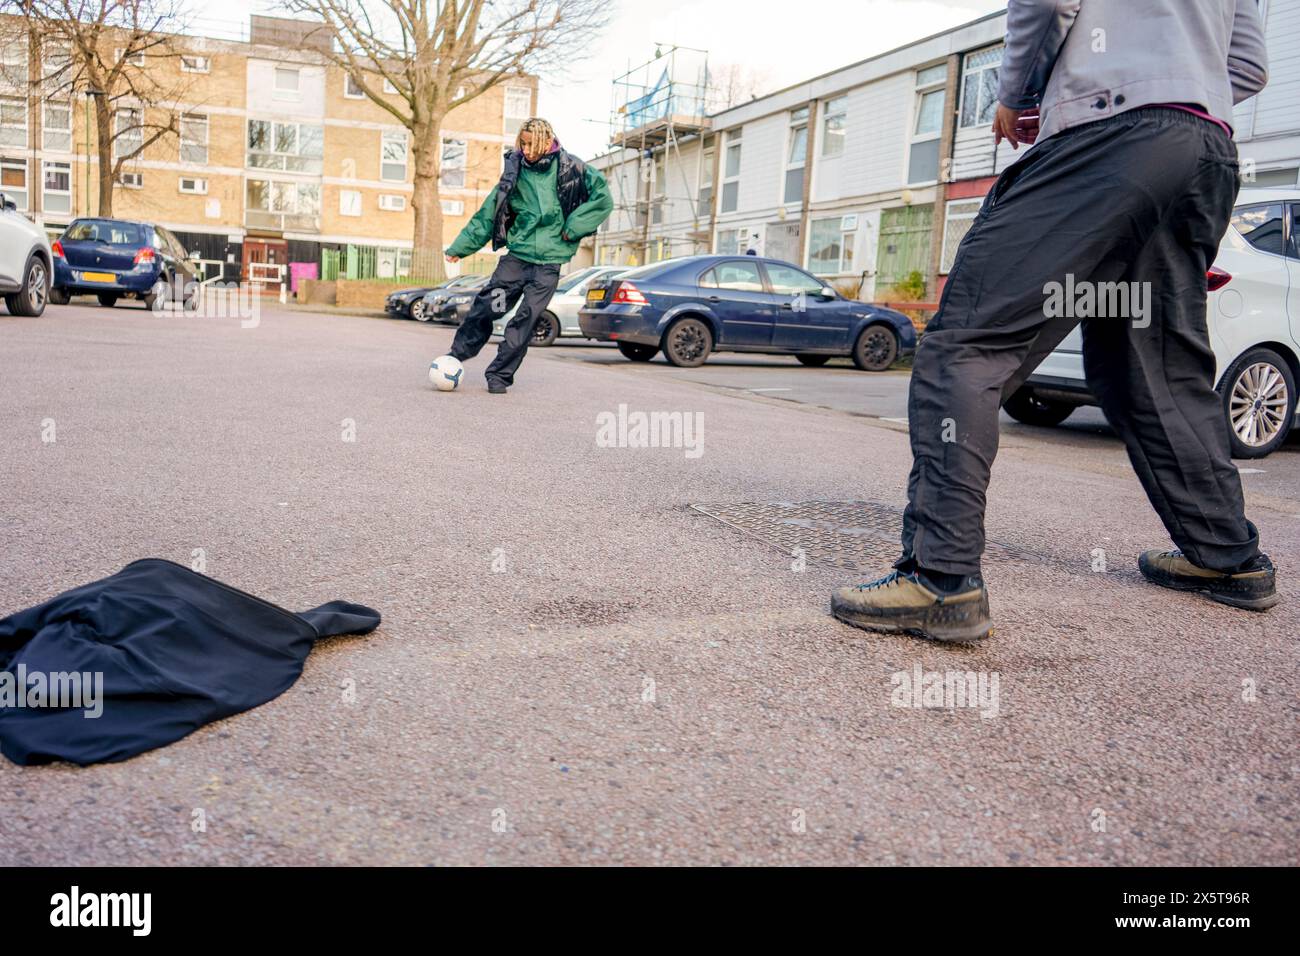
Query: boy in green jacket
point(546, 202)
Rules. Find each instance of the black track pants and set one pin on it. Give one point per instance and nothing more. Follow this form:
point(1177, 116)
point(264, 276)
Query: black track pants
point(1140, 199)
point(512, 281)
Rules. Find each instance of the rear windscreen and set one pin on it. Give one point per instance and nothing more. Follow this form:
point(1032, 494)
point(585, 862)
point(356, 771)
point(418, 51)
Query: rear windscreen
point(104, 230)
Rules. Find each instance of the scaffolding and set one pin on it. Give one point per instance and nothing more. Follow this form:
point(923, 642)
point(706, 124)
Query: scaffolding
point(655, 107)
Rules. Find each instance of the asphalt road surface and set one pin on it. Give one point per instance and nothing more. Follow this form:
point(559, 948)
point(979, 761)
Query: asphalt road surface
point(575, 664)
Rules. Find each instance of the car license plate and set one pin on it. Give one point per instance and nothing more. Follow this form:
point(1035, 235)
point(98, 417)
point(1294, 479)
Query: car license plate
point(595, 295)
point(98, 277)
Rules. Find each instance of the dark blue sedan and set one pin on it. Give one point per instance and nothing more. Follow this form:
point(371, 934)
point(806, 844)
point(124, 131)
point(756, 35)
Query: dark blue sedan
point(117, 258)
point(692, 306)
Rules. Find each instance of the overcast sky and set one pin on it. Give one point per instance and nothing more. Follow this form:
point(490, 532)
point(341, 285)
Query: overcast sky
point(778, 42)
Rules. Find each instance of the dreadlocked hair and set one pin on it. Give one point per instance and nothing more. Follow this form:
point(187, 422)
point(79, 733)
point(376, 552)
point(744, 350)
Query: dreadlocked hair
point(537, 126)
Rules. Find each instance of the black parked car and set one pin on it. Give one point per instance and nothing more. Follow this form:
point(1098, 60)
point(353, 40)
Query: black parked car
point(409, 303)
point(451, 303)
point(696, 305)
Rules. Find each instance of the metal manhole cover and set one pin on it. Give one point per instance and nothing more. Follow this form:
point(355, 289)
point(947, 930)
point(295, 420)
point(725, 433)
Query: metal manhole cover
point(855, 535)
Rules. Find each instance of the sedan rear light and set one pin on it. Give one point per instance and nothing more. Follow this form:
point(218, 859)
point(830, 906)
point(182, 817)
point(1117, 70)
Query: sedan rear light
point(629, 294)
point(56, 247)
point(1216, 278)
point(144, 255)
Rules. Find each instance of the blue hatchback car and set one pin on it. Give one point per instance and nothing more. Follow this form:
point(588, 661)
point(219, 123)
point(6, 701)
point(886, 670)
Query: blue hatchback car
point(120, 258)
point(696, 305)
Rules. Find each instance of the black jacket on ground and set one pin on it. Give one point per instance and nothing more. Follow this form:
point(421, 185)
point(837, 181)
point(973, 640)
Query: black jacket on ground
point(176, 649)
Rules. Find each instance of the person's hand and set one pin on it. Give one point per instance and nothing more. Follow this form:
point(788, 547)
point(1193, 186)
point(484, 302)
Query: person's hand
point(451, 258)
point(1004, 126)
point(1027, 126)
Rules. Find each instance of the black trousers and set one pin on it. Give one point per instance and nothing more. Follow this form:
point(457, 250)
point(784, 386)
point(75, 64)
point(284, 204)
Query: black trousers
point(1142, 198)
point(512, 281)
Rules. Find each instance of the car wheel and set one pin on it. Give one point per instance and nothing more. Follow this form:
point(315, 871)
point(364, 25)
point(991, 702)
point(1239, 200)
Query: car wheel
point(59, 296)
point(107, 299)
point(687, 343)
point(875, 349)
point(1031, 409)
point(813, 361)
point(30, 300)
point(547, 329)
point(418, 311)
point(1259, 403)
point(637, 352)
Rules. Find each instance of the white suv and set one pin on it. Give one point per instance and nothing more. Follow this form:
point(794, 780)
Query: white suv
point(1254, 322)
point(24, 262)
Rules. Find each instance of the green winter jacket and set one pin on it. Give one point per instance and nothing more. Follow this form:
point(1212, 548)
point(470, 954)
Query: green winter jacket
point(539, 226)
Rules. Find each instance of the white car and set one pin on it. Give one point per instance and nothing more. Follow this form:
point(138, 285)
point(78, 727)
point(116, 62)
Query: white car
point(25, 262)
point(1254, 322)
point(561, 316)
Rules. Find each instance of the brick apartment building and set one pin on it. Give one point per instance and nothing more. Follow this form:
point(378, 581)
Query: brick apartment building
point(279, 157)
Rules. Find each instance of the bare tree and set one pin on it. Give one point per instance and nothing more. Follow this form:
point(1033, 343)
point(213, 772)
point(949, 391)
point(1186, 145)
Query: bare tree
point(440, 54)
point(109, 51)
point(732, 84)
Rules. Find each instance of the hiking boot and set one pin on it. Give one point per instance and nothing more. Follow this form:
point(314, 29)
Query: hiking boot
point(1252, 588)
point(902, 603)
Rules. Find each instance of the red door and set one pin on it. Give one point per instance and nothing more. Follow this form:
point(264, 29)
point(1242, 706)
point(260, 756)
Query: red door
point(266, 263)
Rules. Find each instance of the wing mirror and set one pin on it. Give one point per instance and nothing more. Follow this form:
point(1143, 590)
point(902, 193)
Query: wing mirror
point(7, 204)
point(827, 293)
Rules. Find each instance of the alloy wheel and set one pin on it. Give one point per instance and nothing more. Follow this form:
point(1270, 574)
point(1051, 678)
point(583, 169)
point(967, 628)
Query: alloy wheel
point(1258, 404)
point(36, 291)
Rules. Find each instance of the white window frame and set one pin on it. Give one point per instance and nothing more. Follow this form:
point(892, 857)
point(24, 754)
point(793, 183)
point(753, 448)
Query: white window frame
point(200, 187)
point(739, 236)
point(13, 134)
point(798, 120)
point(452, 207)
point(13, 62)
point(136, 128)
point(511, 121)
point(304, 162)
point(135, 59)
point(384, 139)
point(848, 244)
point(12, 163)
point(462, 167)
point(48, 127)
point(393, 202)
point(56, 58)
point(351, 89)
point(57, 166)
point(195, 63)
point(388, 86)
point(350, 203)
point(733, 139)
point(967, 73)
point(194, 120)
point(834, 111)
point(930, 81)
point(284, 92)
point(130, 179)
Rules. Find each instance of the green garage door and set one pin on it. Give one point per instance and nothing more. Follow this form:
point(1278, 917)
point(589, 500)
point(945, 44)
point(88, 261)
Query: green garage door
point(904, 246)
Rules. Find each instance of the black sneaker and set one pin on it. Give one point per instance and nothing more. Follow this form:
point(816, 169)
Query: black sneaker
point(1253, 588)
point(905, 603)
point(494, 389)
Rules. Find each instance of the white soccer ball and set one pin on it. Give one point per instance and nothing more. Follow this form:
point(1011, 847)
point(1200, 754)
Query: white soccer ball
point(445, 373)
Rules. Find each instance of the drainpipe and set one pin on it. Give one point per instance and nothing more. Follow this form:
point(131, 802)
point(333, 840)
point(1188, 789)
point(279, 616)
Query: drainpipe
point(805, 211)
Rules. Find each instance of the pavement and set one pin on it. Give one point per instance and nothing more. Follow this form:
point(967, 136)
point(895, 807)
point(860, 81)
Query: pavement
point(576, 666)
